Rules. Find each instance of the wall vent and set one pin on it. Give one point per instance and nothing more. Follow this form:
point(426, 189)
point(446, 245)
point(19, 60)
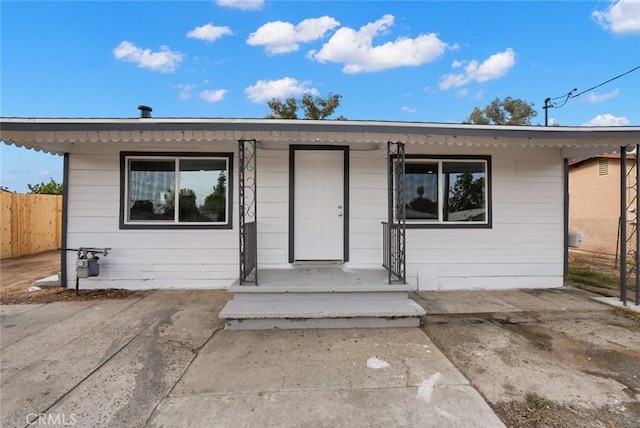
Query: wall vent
point(603, 166)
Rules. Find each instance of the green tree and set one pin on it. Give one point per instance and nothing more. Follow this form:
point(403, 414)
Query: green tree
point(315, 108)
point(467, 193)
point(215, 204)
point(318, 108)
point(509, 111)
point(283, 110)
point(50, 188)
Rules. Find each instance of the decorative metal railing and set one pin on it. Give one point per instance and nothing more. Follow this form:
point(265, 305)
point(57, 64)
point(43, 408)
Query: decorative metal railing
point(393, 253)
point(394, 230)
point(247, 214)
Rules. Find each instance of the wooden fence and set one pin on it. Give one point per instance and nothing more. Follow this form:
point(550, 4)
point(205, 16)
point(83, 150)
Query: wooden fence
point(30, 223)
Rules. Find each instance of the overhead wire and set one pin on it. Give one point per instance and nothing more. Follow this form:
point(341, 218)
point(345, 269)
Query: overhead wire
point(604, 83)
point(571, 94)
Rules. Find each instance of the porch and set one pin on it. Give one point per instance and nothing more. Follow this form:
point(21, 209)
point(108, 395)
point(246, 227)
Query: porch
point(324, 292)
point(321, 296)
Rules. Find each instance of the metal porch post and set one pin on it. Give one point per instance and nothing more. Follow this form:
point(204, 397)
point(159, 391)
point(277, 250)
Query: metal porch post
point(623, 225)
point(247, 212)
point(396, 238)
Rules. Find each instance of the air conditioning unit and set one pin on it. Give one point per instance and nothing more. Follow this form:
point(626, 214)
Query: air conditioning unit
point(575, 240)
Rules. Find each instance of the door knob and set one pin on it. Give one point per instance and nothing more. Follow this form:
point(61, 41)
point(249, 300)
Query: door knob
point(339, 207)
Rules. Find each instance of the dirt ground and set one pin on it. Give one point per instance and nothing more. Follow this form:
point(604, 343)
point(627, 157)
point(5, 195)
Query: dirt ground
point(551, 369)
point(536, 369)
point(19, 273)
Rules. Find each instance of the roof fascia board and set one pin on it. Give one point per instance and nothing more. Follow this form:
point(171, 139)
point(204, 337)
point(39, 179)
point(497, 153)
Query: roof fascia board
point(327, 126)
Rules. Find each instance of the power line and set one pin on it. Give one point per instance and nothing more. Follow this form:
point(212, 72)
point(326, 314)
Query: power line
point(568, 95)
point(604, 83)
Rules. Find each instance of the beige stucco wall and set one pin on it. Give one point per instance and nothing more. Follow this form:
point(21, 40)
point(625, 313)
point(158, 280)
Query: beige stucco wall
point(594, 204)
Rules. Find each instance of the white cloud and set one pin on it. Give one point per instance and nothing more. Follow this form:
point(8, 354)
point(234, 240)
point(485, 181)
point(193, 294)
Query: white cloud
point(186, 90)
point(607, 119)
point(241, 4)
point(280, 37)
point(462, 93)
point(497, 65)
point(622, 17)
point(598, 98)
point(407, 109)
point(163, 61)
point(356, 51)
point(266, 90)
point(209, 32)
point(213, 95)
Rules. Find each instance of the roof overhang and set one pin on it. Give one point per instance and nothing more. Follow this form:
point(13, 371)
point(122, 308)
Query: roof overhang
point(59, 136)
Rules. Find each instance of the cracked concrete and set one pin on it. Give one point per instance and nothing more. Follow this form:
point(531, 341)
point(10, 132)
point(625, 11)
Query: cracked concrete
point(162, 359)
point(295, 378)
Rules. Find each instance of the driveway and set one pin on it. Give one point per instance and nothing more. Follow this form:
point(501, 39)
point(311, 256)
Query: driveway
point(162, 359)
point(552, 358)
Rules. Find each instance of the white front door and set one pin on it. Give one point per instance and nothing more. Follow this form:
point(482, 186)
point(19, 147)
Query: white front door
point(318, 208)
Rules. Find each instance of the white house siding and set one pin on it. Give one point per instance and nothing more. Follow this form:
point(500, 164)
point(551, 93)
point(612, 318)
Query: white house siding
point(273, 208)
point(142, 259)
point(524, 248)
point(368, 207)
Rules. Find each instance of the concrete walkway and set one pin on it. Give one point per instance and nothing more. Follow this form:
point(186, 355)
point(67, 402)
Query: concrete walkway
point(163, 361)
point(526, 300)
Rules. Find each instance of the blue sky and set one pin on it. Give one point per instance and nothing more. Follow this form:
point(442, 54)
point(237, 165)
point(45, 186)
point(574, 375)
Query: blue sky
point(427, 61)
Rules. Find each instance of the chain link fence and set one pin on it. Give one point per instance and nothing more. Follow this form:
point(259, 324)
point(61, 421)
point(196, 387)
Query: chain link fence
point(601, 235)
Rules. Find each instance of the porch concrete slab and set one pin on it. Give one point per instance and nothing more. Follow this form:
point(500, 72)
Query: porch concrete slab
point(496, 301)
point(323, 278)
point(462, 301)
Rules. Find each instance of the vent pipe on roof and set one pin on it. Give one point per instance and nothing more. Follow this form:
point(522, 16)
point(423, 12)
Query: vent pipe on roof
point(145, 112)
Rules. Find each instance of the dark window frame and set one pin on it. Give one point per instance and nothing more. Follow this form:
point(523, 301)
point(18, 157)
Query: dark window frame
point(124, 169)
point(416, 224)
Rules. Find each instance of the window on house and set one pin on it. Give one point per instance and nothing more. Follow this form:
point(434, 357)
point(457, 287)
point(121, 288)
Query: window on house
point(163, 190)
point(447, 191)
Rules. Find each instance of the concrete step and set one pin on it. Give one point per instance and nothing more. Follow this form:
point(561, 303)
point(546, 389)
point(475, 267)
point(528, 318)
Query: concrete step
point(336, 296)
point(302, 286)
point(324, 313)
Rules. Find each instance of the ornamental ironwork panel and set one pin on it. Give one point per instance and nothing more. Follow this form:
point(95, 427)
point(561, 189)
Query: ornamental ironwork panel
point(628, 234)
point(247, 212)
point(394, 229)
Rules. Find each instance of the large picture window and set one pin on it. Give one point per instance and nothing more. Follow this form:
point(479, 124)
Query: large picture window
point(447, 191)
point(167, 190)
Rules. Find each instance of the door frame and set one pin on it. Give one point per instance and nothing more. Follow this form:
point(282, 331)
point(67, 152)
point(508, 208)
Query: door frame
point(345, 203)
